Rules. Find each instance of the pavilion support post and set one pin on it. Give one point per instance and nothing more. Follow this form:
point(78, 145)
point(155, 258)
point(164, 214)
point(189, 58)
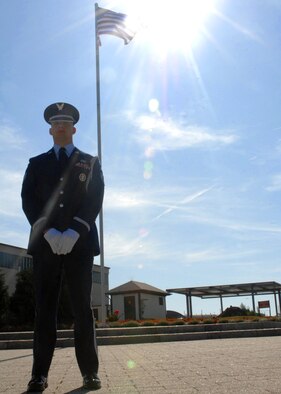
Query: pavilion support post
point(221, 303)
point(140, 306)
point(187, 305)
point(275, 302)
point(190, 304)
point(279, 298)
point(253, 301)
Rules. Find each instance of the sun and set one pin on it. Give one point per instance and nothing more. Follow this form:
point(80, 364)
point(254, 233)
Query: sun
point(174, 25)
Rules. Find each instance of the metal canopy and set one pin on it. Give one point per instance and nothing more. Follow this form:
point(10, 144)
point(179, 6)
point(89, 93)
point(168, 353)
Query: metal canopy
point(221, 291)
point(241, 289)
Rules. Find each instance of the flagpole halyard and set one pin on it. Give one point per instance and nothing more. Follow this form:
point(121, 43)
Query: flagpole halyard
point(113, 23)
point(103, 314)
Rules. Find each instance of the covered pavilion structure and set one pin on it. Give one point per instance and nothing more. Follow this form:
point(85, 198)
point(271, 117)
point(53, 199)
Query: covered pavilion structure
point(236, 290)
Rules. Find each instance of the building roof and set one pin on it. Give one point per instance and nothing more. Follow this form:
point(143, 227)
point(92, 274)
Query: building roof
point(137, 287)
point(258, 288)
point(18, 251)
point(12, 249)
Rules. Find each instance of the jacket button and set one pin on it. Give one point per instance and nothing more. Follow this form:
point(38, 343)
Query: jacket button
point(61, 205)
point(61, 179)
point(61, 192)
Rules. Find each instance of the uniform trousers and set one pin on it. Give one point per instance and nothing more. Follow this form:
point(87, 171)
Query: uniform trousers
point(48, 269)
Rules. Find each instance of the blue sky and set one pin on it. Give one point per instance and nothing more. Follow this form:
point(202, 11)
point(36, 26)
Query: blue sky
point(191, 133)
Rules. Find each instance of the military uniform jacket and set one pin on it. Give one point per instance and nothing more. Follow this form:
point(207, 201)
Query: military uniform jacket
point(72, 199)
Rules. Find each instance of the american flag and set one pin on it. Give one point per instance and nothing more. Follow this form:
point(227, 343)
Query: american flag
point(114, 23)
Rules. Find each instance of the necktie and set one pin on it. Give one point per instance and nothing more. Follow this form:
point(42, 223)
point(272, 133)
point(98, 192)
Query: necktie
point(63, 159)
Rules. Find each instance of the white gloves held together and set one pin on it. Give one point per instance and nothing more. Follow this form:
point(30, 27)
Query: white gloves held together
point(61, 243)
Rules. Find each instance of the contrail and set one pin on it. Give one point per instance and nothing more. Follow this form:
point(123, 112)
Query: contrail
point(186, 200)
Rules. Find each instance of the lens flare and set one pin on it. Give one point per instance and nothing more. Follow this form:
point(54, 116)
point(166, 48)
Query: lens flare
point(153, 105)
point(131, 364)
point(148, 167)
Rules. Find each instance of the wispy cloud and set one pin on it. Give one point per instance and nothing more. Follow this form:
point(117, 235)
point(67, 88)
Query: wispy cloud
point(10, 138)
point(16, 238)
point(10, 184)
point(231, 224)
point(123, 199)
point(158, 134)
point(132, 248)
point(216, 255)
point(199, 207)
point(275, 183)
point(119, 199)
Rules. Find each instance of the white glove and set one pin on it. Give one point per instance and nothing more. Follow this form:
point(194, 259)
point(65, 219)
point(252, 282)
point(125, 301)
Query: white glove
point(68, 240)
point(53, 237)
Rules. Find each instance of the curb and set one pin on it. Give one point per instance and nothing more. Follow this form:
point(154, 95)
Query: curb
point(135, 335)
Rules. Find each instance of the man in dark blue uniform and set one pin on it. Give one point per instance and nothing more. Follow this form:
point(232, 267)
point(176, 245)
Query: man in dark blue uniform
point(62, 194)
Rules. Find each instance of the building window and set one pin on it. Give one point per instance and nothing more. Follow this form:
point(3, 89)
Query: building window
point(161, 301)
point(8, 260)
point(97, 278)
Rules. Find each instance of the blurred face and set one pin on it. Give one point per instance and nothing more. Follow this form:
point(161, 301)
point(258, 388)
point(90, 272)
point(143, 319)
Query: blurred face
point(62, 132)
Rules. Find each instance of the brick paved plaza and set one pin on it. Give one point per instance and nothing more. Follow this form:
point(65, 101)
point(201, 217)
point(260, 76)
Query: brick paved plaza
point(230, 366)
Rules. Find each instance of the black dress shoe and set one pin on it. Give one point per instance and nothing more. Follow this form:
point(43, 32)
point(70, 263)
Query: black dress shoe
point(37, 383)
point(91, 382)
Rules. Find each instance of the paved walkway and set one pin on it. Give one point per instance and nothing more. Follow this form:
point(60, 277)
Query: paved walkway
point(229, 366)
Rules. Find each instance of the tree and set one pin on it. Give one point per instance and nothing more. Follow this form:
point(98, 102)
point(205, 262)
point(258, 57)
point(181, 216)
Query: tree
point(22, 301)
point(4, 301)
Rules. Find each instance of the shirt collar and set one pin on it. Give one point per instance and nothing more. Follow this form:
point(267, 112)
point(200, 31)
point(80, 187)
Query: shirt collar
point(69, 149)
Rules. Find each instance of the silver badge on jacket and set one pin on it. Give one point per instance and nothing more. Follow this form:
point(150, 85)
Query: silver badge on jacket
point(82, 177)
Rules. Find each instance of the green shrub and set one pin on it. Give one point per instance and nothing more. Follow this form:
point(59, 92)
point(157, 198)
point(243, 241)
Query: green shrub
point(162, 323)
point(223, 321)
point(178, 323)
point(148, 323)
point(208, 321)
point(193, 322)
point(274, 318)
point(115, 324)
point(130, 324)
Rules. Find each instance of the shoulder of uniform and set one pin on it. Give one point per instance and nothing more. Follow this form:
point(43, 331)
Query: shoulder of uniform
point(84, 155)
point(41, 157)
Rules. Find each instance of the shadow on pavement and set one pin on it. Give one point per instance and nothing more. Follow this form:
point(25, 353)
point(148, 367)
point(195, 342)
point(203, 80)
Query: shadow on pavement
point(79, 390)
point(16, 358)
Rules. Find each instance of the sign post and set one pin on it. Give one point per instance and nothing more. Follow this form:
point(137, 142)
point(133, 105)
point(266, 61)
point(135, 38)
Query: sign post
point(263, 305)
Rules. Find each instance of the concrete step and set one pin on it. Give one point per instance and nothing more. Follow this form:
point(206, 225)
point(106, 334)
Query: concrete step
point(133, 335)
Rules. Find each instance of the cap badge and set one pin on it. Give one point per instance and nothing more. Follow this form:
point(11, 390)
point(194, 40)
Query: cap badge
point(60, 106)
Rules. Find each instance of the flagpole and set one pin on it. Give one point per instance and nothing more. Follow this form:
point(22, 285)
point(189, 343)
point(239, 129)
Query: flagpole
point(103, 314)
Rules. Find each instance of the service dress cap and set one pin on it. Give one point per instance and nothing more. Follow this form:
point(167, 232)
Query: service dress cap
point(61, 112)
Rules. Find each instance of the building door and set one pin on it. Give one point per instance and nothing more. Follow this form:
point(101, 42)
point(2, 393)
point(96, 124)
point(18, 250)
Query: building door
point(130, 308)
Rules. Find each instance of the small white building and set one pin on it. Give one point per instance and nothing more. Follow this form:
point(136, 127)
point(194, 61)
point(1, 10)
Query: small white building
point(138, 301)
